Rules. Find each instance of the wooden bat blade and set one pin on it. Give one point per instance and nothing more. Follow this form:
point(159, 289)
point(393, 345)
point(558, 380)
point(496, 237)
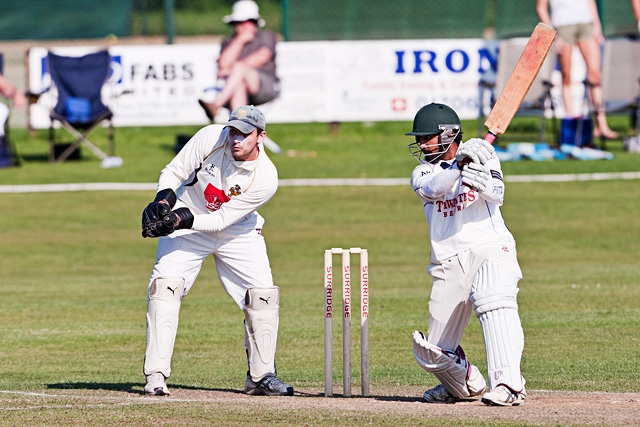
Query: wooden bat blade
point(520, 81)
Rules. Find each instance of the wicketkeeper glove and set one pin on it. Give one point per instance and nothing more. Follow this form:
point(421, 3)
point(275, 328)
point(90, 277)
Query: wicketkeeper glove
point(476, 150)
point(157, 211)
point(157, 228)
point(179, 219)
point(476, 176)
point(176, 220)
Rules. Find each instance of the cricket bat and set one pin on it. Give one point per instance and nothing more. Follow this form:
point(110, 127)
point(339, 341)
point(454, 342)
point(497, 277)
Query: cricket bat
point(520, 81)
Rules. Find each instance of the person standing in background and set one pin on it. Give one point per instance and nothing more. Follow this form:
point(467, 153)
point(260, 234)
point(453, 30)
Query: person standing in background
point(635, 5)
point(578, 23)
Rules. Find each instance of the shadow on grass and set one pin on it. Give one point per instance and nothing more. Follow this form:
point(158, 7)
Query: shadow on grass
point(398, 398)
point(136, 388)
point(133, 388)
point(40, 158)
point(357, 396)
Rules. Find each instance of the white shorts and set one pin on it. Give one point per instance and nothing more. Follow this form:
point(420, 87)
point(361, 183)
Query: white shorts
point(241, 260)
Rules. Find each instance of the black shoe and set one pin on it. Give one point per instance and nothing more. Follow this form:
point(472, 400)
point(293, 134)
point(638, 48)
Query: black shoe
point(269, 386)
point(209, 110)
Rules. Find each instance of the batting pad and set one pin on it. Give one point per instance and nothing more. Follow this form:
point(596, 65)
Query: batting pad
point(261, 317)
point(460, 378)
point(493, 294)
point(163, 308)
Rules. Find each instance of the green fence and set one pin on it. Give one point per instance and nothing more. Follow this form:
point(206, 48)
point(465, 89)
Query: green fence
point(516, 18)
point(64, 19)
point(617, 18)
point(295, 20)
point(408, 19)
point(399, 19)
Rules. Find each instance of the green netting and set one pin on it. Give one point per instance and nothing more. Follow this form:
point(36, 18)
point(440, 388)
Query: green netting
point(515, 18)
point(64, 19)
point(301, 19)
point(617, 18)
point(370, 19)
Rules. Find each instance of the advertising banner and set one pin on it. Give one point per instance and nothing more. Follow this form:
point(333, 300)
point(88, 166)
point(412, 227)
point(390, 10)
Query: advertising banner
point(159, 85)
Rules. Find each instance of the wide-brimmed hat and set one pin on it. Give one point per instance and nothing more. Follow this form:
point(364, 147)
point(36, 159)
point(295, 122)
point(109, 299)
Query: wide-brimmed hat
point(244, 10)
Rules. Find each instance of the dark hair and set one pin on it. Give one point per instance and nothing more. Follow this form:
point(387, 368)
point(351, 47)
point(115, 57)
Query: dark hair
point(458, 137)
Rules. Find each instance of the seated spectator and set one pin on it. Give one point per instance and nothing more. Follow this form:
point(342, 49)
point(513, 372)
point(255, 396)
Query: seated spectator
point(9, 91)
point(246, 64)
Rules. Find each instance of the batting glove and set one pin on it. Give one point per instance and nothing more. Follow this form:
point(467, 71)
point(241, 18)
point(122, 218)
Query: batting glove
point(476, 150)
point(476, 176)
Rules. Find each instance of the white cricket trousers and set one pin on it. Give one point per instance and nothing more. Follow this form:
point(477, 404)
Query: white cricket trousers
point(241, 259)
point(450, 307)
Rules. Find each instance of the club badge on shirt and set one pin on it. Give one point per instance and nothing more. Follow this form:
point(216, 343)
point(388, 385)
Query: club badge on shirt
point(215, 197)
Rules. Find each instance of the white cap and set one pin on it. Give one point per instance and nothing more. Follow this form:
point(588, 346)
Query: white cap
point(244, 10)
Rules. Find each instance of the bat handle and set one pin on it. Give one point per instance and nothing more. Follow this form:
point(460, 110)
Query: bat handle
point(490, 137)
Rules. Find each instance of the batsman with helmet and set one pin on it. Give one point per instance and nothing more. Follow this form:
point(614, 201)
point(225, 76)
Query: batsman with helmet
point(473, 263)
point(206, 204)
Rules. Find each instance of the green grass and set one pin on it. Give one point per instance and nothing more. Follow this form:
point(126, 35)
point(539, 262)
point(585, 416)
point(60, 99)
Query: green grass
point(75, 270)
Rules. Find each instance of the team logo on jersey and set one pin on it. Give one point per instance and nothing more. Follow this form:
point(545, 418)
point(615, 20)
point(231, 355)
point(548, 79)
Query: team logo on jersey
point(215, 197)
point(235, 190)
point(210, 169)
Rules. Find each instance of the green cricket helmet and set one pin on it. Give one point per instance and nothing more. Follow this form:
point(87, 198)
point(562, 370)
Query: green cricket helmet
point(435, 119)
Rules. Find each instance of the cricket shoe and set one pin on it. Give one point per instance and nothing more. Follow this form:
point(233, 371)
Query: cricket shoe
point(439, 394)
point(156, 385)
point(502, 395)
point(268, 386)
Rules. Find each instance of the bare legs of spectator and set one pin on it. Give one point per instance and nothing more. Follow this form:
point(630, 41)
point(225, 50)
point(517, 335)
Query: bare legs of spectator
point(591, 53)
point(242, 81)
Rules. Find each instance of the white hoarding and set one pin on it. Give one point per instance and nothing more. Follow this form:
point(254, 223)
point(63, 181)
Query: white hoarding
point(159, 85)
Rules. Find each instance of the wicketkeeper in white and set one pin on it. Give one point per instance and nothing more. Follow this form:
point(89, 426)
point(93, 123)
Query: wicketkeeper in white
point(473, 263)
point(206, 204)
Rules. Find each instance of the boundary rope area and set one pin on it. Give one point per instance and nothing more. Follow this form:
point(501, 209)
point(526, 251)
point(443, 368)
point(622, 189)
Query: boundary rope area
point(328, 182)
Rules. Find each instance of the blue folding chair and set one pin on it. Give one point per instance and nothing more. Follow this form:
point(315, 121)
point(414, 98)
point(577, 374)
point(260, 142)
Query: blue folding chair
point(79, 108)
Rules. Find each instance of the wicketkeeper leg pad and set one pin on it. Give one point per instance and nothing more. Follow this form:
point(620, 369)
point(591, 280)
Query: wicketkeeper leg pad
point(497, 310)
point(456, 374)
point(261, 316)
point(163, 308)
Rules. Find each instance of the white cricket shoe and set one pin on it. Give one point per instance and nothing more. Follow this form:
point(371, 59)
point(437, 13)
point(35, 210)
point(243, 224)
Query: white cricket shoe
point(156, 385)
point(501, 395)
